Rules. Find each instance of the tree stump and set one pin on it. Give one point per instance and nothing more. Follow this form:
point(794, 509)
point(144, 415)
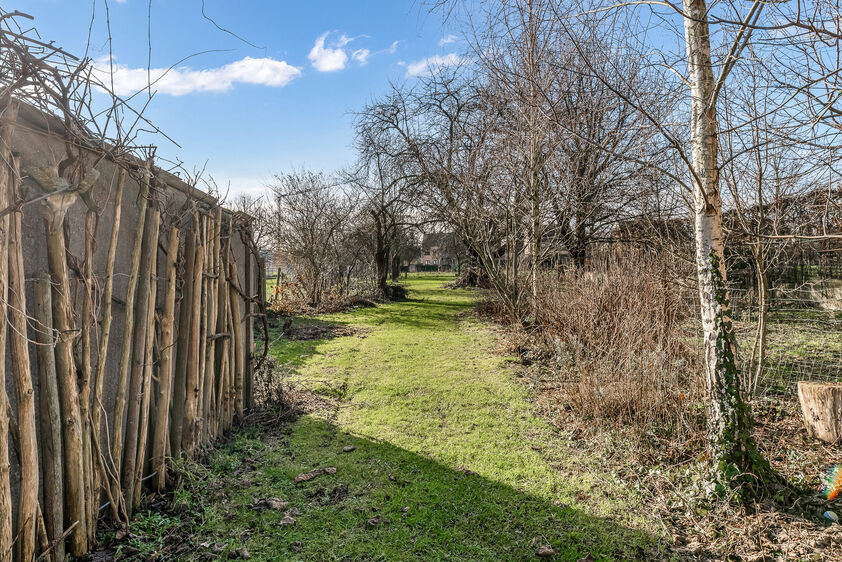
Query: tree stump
point(821, 404)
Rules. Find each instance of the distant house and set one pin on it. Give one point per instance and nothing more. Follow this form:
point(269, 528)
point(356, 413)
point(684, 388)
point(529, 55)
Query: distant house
point(440, 251)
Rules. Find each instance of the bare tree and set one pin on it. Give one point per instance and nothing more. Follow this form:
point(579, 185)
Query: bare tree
point(383, 180)
point(308, 214)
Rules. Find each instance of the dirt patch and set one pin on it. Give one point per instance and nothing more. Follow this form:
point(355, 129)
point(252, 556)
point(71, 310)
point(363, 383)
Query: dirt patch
point(329, 496)
point(320, 331)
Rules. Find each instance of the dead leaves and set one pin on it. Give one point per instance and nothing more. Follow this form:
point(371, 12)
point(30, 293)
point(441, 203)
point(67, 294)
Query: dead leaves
point(241, 553)
point(348, 448)
point(275, 504)
point(377, 520)
point(546, 551)
point(305, 476)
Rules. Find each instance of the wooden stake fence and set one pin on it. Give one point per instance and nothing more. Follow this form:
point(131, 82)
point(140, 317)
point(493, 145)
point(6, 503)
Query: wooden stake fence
point(90, 425)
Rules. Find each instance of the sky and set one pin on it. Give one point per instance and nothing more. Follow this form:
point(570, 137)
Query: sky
point(279, 95)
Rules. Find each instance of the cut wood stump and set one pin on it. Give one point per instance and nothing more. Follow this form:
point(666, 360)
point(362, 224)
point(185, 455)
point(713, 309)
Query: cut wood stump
point(821, 404)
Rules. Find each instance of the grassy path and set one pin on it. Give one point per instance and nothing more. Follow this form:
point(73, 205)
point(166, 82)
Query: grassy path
point(450, 462)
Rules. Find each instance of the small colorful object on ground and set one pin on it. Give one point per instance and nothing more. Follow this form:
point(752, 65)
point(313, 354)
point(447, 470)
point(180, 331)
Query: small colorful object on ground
point(833, 482)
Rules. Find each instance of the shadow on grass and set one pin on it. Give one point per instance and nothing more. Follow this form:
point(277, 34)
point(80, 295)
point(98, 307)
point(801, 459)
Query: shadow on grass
point(386, 503)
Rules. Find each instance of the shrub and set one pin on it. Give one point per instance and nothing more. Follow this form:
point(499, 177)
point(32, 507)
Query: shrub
point(617, 336)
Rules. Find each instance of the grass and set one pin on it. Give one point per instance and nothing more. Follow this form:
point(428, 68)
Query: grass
point(802, 344)
point(451, 461)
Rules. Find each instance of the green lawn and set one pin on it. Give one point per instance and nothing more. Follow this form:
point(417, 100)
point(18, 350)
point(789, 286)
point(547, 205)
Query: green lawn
point(451, 462)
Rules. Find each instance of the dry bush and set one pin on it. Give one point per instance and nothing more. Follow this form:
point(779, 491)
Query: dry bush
point(331, 303)
point(617, 338)
point(269, 382)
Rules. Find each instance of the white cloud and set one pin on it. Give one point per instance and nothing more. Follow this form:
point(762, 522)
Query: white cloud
point(328, 59)
point(328, 55)
point(448, 40)
point(184, 80)
point(344, 40)
point(361, 56)
point(430, 65)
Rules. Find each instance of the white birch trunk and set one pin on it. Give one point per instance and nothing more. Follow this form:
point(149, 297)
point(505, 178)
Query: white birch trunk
point(729, 422)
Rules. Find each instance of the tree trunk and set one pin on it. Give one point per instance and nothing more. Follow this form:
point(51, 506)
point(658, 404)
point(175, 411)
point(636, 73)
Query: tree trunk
point(49, 416)
point(25, 394)
point(396, 268)
point(381, 260)
point(821, 404)
point(733, 451)
point(758, 352)
point(534, 234)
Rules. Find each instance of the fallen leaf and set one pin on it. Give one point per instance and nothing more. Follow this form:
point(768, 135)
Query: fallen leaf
point(287, 521)
point(588, 558)
point(276, 504)
point(305, 476)
point(376, 520)
point(241, 553)
point(546, 551)
point(348, 448)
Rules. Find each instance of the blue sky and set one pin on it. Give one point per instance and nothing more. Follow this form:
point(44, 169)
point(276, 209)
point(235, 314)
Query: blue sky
point(253, 111)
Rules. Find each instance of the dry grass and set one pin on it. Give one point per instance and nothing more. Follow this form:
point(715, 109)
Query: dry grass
point(614, 342)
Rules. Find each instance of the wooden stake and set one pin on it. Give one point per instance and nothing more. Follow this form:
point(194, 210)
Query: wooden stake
point(74, 466)
point(249, 331)
point(128, 334)
point(136, 391)
point(25, 394)
point(238, 365)
point(96, 407)
point(179, 397)
point(221, 351)
point(49, 414)
point(212, 303)
point(159, 438)
point(188, 439)
point(7, 124)
point(147, 377)
point(85, 373)
point(204, 332)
